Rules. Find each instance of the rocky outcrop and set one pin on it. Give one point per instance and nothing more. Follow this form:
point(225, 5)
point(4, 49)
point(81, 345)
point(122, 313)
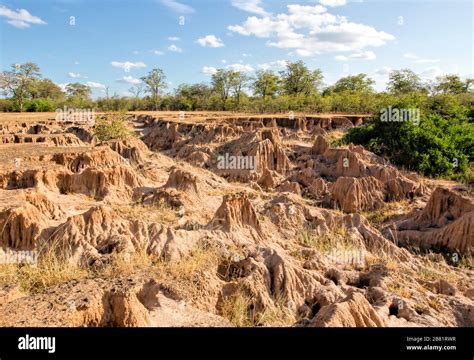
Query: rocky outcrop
point(132, 149)
point(353, 195)
point(21, 227)
point(446, 222)
point(236, 213)
point(354, 311)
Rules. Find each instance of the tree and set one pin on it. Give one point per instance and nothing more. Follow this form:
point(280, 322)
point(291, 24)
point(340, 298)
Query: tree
point(222, 83)
point(192, 97)
point(403, 82)
point(17, 82)
point(137, 90)
point(353, 83)
point(239, 81)
point(155, 81)
point(78, 91)
point(297, 79)
point(265, 84)
point(451, 84)
point(46, 89)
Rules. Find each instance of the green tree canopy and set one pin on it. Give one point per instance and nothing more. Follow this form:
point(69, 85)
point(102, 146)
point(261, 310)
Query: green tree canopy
point(266, 84)
point(155, 82)
point(78, 91)
point(297, 79)
point(17, 82)
point(403, 82)
point(222, 83)
point(353, 83)
point(451, 84)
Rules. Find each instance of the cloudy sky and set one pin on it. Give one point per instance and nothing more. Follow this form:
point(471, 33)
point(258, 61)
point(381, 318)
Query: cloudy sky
point(114, 42)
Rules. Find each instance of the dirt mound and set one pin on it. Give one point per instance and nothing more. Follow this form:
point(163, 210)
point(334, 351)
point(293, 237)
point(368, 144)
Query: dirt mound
point(248, 157)
point(182, 180)
point(445, 222)
point(112, 183)
point(354, 311)
point(132, 149)
point(44, 203)
point(353, 195)
point(259, 245)
point(21, 227)
point(124, 302)
point(320, 145)
point(97, 157)
point(236, 213)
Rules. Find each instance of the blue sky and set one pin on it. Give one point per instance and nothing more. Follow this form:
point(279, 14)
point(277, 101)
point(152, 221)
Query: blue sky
point(115, 42)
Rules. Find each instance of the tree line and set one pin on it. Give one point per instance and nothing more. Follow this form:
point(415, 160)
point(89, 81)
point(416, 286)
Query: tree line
point(296, 88)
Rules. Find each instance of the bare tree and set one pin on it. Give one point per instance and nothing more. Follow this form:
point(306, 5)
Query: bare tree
point(137, 90)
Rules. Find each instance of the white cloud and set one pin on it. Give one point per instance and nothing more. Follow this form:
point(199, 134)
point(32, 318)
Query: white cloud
point(174, 48)
point(158, 52)
point(332, 2)
point(240, 67)
point(62, 86)
point(251, 6)
point(224, 61)
point(127, 65)
point(76, 62)
point(303, 52)
point(20, 18)
point(246, 55)
point(309, 30)
point(178, 6)
point(136, 52)
point(174, 38)
point(380, 76)
point(419, 60)
point(272, 64)
point(385, 70)
point(95, 85)
point(431, 73)
point(208, 70)
point(210, 41)
point(364, 55)
point(74, 75)
point(129, 80)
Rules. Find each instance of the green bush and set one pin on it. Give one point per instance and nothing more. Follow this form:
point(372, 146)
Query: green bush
point(438, 147)
point(113, 126)
point(39, 105)
point(7, 105)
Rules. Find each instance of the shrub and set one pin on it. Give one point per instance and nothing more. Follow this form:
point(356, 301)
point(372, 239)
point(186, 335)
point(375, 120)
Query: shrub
point(7, 105)
point(113, 126)
point(437, 147)
point(39, 105)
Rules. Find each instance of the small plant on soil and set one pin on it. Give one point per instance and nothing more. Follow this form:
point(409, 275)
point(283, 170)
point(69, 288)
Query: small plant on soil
point(113, 126)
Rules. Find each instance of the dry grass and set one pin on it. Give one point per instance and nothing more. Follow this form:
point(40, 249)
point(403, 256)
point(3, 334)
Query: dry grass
point(236, 310)
point(337, 238)
point(434, 302)
point(160, 212)
point(239, 309)
point(390, 210)
point(338, 245)
point(126, 264)
point(49, 271)
point(388, 262)
point(200, 260)
point(400, 289)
